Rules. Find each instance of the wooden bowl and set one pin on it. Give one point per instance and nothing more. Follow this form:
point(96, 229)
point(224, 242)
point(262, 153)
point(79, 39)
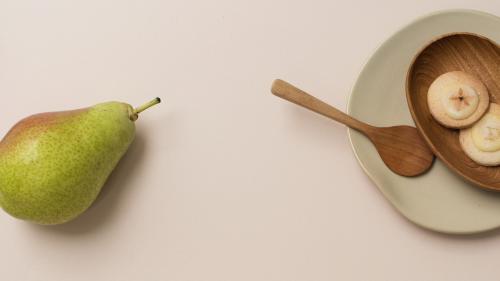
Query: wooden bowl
point(470, 53)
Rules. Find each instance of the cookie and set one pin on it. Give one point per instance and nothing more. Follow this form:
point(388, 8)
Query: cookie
point(481, 142)
point(457, 99)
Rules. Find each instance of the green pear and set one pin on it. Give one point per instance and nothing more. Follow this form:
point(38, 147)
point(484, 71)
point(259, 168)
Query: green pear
point(53, 165)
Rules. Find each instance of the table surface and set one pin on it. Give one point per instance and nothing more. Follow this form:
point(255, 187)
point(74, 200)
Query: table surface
point(224, 180)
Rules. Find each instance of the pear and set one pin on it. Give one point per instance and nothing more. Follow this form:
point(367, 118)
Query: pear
point(53, 165)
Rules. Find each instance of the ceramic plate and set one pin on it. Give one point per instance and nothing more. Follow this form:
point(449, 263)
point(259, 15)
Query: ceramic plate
point(439, 200)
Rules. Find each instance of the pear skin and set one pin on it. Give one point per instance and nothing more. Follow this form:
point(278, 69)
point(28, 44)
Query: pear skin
point(53, 165)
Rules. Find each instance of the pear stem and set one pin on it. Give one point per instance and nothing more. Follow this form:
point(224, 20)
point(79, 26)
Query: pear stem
point(135, 114)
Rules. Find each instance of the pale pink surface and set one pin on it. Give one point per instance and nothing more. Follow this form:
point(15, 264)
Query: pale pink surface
point(225, 181)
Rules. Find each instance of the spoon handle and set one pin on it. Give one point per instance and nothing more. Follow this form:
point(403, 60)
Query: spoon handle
point(290, 93)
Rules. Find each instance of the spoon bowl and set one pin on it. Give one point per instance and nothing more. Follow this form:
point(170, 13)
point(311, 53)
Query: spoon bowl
point(469, 53)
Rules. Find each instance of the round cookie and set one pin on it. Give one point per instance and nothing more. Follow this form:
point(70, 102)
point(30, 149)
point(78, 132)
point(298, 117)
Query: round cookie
point(481, 142)
point(457, 99)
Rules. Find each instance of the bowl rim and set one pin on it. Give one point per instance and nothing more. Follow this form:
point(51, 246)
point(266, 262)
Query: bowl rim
point(414, 114)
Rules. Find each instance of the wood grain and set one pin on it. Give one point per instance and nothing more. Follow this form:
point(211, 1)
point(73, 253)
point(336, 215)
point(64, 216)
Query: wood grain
point(466, 52)
point(401, 147)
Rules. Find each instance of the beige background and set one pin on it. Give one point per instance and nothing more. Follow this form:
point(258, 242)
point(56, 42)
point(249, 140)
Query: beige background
point(224, 181)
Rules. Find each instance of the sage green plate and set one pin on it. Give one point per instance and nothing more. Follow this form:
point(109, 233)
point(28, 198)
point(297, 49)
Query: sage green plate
point(439, 200)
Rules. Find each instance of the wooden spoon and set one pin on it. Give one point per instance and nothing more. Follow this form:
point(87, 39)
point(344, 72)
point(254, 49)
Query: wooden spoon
point(401, 147)
point(467, 52)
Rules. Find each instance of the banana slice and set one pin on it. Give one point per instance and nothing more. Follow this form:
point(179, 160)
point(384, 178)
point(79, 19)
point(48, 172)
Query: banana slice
point(486, 132)
point(460, 103)
point(457, 99)
point(481, 142)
